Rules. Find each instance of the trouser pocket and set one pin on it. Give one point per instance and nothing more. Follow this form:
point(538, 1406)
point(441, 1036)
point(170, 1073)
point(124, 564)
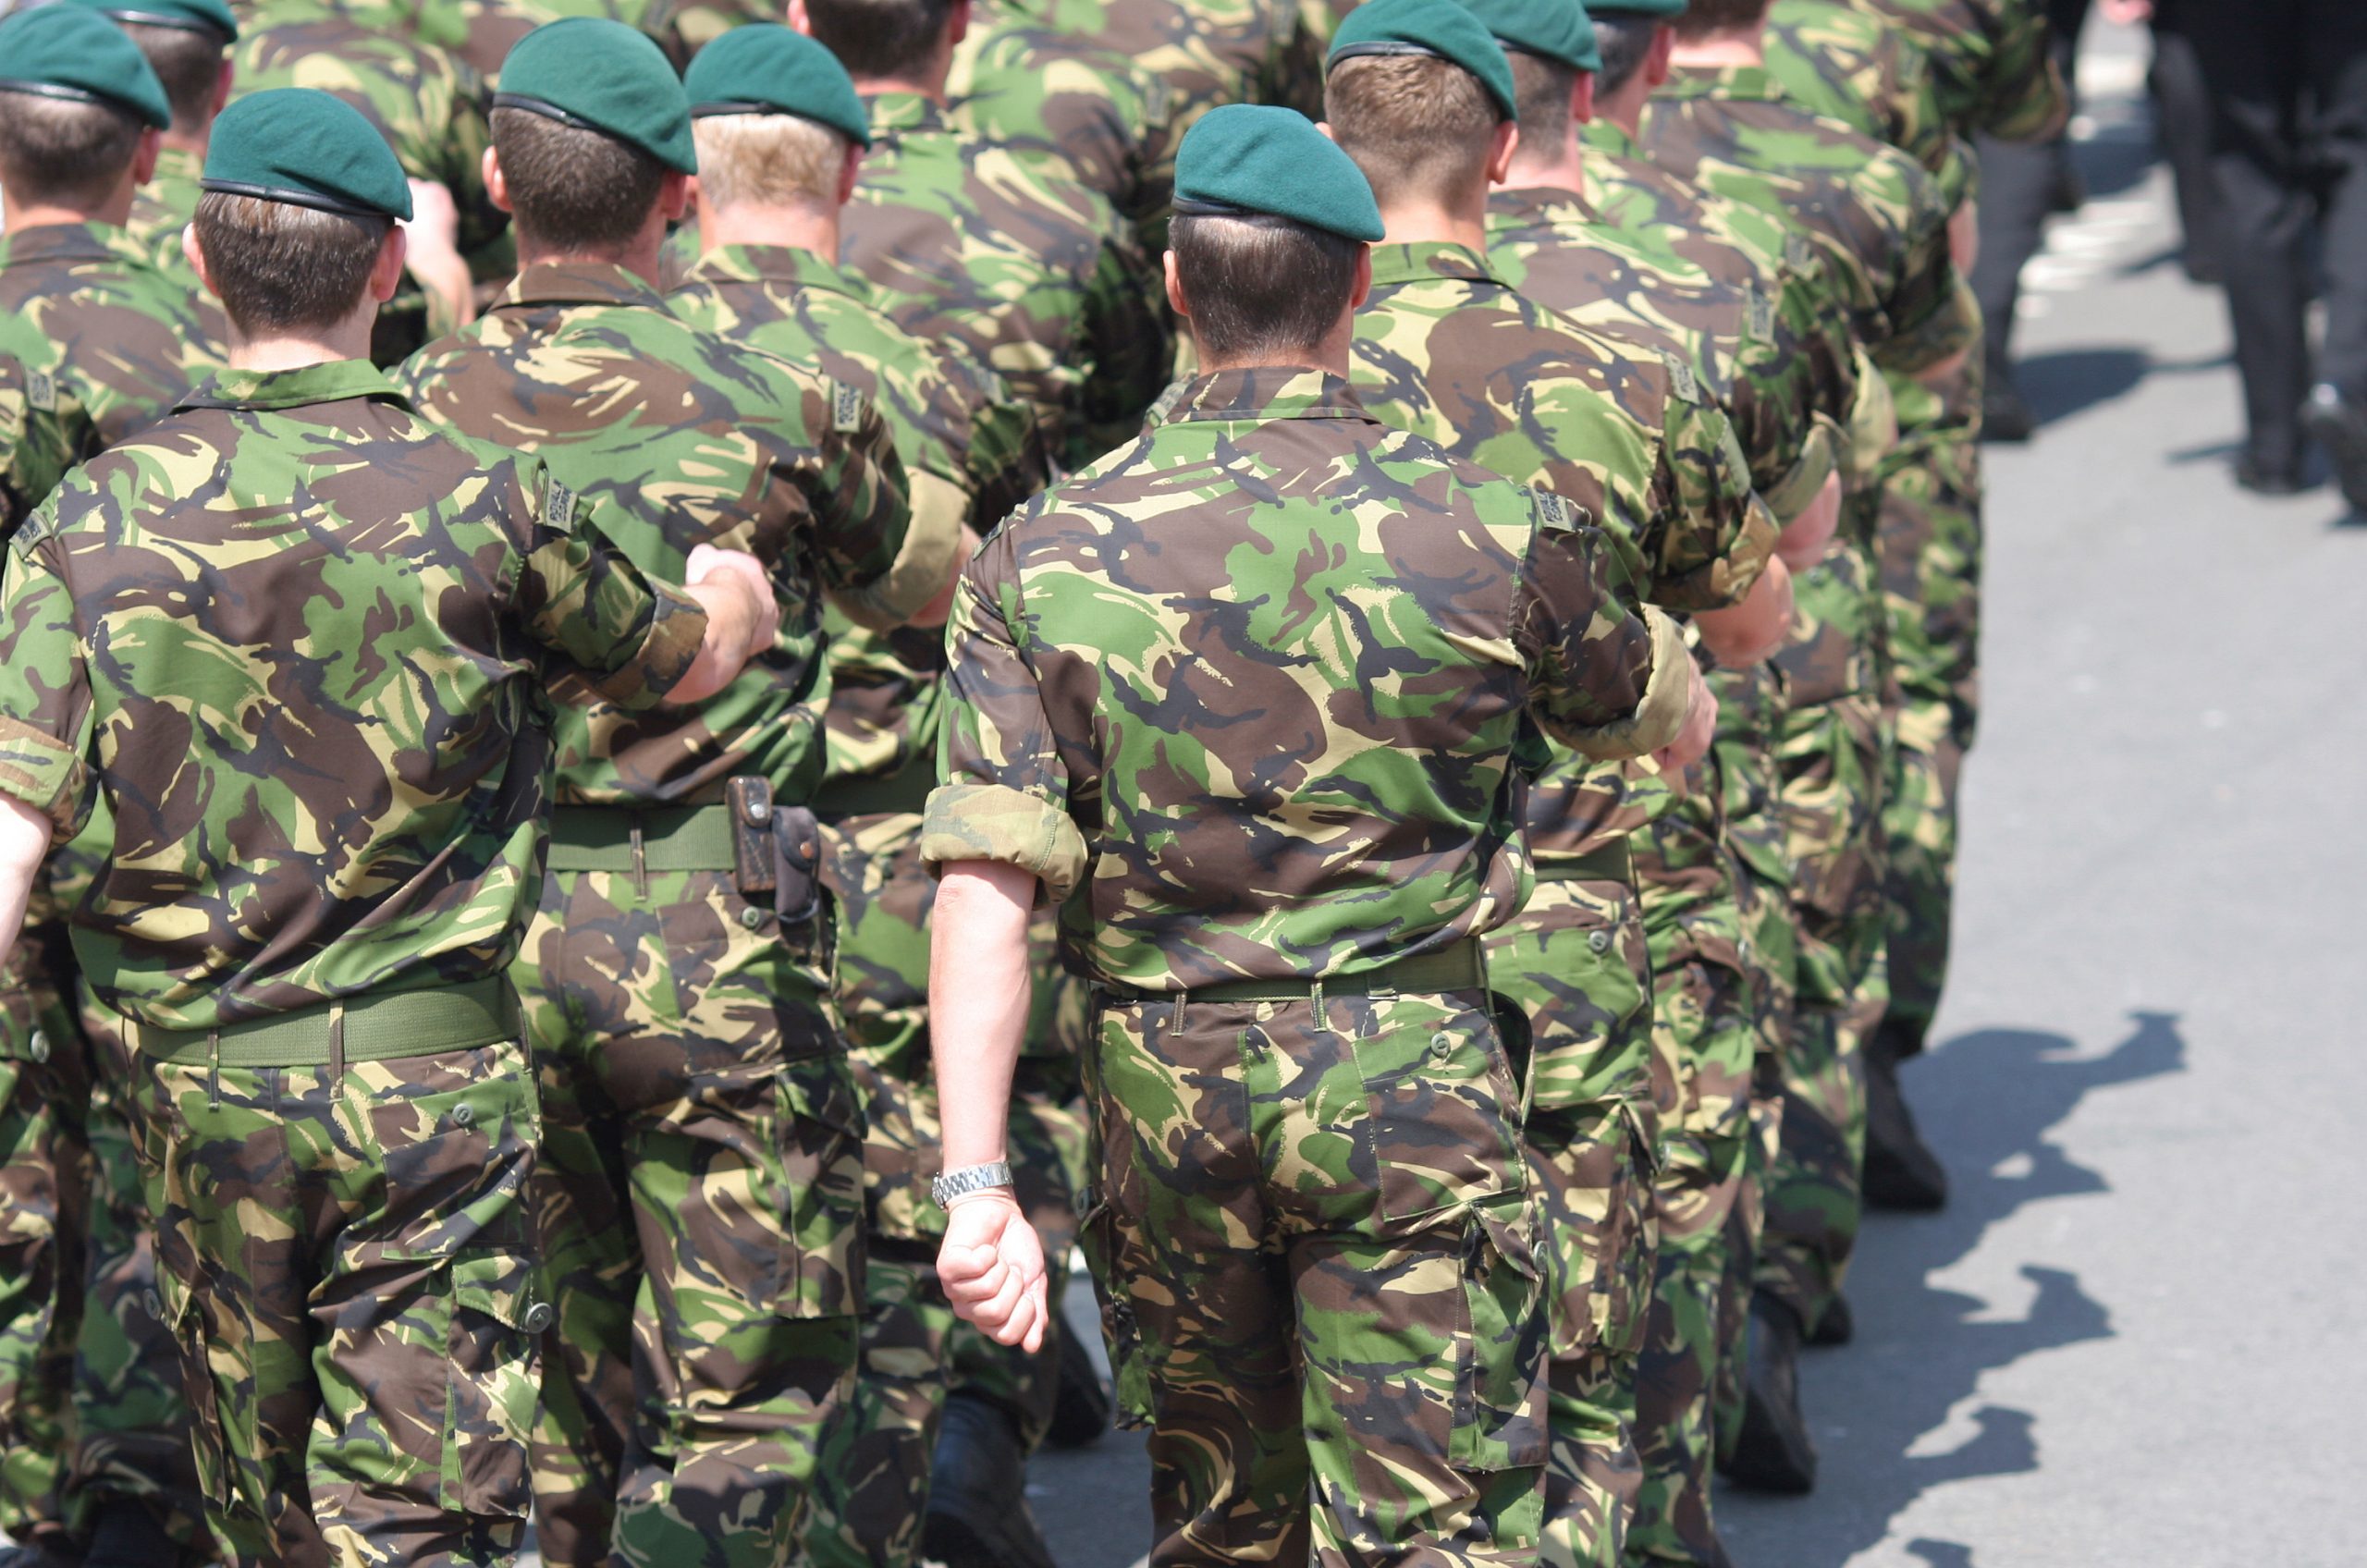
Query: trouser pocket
point(186, 1318)
point(821, 1189)
point(1129, 1370)
point(1500, 1419)
point(494, 1327)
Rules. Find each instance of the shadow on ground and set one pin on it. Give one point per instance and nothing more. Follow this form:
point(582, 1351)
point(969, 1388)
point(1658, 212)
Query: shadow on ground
point(2068, 380)
point(1887, 1410)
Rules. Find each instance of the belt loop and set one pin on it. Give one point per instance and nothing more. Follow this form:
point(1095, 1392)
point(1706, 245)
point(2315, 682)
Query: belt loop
point(1322, 1014)
point(336, 1038)
point(1175, 1012)
point(640, 862)
point(213, 1069)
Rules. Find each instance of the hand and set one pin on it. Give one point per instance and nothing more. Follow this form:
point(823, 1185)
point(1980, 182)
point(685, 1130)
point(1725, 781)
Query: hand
point(991, 1266)
point(433, 260)
point(435, 216)
point(2121, 13)
point(1692, 742)
point(712, 568)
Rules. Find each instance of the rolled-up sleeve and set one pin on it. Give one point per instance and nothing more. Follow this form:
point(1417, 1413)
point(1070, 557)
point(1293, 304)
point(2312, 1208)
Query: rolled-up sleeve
point(632, 637)
point(45, 715)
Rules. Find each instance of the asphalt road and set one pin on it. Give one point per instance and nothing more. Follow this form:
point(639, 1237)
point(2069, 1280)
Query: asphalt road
point(2134, 1335)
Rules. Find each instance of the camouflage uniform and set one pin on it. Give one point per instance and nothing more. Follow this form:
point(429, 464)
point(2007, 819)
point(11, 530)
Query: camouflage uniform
point(1318, 584)
point(1881, 226)
point(970, 450)
point(479, 34)
point(162, 208)
point(1840, 62)
point(1994, 74)
point(1005, 255)
point(1209, 52)
point(1620, 431)
point(347, 1256)
point(703, 1161)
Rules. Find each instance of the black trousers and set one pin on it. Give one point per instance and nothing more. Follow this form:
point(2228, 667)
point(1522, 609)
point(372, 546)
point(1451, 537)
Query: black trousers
point(2288, 145)
point(2018, 184)
point(2182, 132)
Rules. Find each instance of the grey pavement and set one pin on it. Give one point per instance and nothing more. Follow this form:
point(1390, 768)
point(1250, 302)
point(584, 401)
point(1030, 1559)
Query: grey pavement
point(2135, 1336)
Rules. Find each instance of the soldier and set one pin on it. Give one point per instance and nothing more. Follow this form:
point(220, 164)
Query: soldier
point(1204, 683)
point(308, 908)
point(995, 251)
point(1883, 230)
point(187, 44)
point(703, 1175)
point(1422, 97)
point(779, 132)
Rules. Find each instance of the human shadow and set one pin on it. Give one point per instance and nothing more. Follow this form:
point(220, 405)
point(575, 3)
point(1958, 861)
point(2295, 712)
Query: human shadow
point(2063, 381)
point(1886, 1410)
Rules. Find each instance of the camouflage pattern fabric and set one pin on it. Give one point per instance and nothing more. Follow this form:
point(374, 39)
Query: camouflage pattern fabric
point(162, 208)
point(1321, 1275)
point(1209, 52)
point(348, 1262)
point(1843, 63)
point(1995, 73)
point(692, 439)
point(1576, 963)
point(701, 1209)
point(1109, 125)
point(1004, 255)
point(1877, 216)
point(479, 34)
point(262, 858)
point(1299, 504)
point(107, 341)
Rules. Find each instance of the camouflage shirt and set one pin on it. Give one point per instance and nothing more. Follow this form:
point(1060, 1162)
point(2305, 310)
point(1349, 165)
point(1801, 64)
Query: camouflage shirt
point(1875, 214)
point(298, 638)
point(1839, 62)
point(1744, 340)
point(1209, 52)
point(162, 208)
point(1014, 261)
point(968, 447)
point(1995, 73)
point(1259, 683)
point(479, 34)
point(106, 341)
point(694, 440)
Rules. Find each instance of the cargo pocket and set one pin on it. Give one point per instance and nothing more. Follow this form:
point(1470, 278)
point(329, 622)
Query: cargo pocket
point(493, 1349)
point(820, 1148)
point(1443, 1105)
point(1121, 1335)
point(1499, 1416)
point(1624, 1278)
point(208, 1452)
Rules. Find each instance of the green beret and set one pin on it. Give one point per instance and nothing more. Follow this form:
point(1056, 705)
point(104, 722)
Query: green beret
point(187, 16)
point(1551, 30)
point(302, 146)
point(603, 75)
point(1428, 27)
point(1628, 10)
point(765, 68)
point(1245, 159)
point(66, 51)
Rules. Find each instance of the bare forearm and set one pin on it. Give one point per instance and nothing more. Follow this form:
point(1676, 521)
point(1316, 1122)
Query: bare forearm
point(978, 993)
point(24, 841)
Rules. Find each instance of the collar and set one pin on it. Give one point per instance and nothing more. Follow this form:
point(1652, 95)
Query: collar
point(333, 381)
point(579, 283)
point(1426, 261)
point(1604, 136)
point(1258, 395)
point(1538, 206)
point(777, 264)
point(66, 242)
point(177, 162)
point(1748, 83)
point(901, 113)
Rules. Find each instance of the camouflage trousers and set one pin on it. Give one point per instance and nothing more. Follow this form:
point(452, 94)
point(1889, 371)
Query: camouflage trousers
point(871, 1494)
point(348, 1263)
point(1832, 758)
point(700, 1199)
point(44, 1087)
point(1320, 1282)
point(1705, 1026)
point(1575, 963)
point(1931, 550)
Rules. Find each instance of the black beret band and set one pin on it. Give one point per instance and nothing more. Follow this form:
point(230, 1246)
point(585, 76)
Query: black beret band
point(293, 198)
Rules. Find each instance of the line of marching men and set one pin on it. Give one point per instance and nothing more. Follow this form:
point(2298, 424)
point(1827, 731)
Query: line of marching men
point(1411, 679)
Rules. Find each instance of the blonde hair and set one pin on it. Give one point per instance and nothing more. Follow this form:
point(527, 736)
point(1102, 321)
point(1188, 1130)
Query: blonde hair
point(768, 160)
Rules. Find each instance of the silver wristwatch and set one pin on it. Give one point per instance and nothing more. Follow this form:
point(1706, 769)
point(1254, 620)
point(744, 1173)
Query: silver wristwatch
point(969, 1179)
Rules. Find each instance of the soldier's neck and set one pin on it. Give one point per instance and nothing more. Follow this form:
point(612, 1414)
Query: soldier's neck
point(1743, 47)
point(193, 143)
point(112, 213)
point(1626, 107)
point(642, 258)
point(1565, 170)
point(795, 227)
point(1431, 222)
point(349, 340)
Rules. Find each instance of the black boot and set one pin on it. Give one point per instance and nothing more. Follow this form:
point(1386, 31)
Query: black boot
point(978, 1515)
point(1081, 1409)
point(2005, 417)
point(1902, 1172)
point(128, 1535)
point(1838, 1326)
point(2339, 425)
point(54, 1552)
point(1773, 1452)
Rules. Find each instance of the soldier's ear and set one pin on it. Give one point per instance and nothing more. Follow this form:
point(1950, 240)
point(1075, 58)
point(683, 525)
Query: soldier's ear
point(674, 196)
point(1175, 300)
point(1363, 288)
point(194, 254)
point(496, 184)
point(1582, 99)
point(1500, 151)
point(1657, 67)
point(143, 155)
point(386, 272)
point(958, 21)
point(798, 20)
point(222, 85)
point(851, 171)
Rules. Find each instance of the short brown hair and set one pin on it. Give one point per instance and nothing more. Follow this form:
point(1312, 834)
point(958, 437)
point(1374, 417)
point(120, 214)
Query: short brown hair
point(878, 37)
point(280, 267)
point(63, 151)
point(187, 60)
point(1415, 123)
point(1261, 287)
point(573, 188)
point(768, 160)
point(1702, 17)
point(1625, 43)
point(1542, 89)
